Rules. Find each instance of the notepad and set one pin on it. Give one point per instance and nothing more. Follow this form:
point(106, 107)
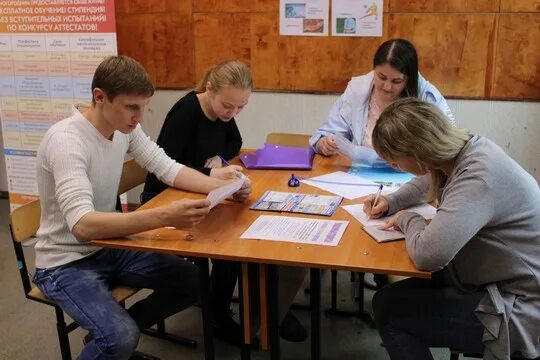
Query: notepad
point(371, 226)
point(297, 203)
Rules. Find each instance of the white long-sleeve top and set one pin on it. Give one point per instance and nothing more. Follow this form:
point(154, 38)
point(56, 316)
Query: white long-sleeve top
point(78, 171)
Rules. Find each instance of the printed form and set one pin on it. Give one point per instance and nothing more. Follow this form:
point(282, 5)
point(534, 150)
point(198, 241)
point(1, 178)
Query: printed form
point(296, 229)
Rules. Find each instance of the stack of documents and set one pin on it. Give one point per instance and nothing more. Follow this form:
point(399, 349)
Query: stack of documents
point(371, 226)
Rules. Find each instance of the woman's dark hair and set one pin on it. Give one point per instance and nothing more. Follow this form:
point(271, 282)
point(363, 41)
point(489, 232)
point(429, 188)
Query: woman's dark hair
point(401, 55)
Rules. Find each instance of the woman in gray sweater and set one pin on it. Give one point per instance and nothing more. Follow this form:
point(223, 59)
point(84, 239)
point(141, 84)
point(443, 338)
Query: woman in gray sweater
point(483, 245)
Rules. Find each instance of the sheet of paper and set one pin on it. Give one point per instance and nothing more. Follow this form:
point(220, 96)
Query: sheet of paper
point(295, 229)
point(345, 147)
point(343, 184)
point(357, 17)
point(221, 193)
point(303, 17)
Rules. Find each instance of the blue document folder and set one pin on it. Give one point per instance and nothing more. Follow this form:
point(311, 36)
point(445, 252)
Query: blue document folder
point(279, 157)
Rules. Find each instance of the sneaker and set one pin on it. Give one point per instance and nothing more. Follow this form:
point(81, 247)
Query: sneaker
point(291, 329)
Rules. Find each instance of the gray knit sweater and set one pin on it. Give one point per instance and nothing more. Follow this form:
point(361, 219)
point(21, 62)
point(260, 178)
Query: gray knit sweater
point(487, 232)
point(78, 171)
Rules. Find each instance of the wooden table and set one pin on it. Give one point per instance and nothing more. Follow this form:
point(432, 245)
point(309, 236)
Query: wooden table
point(218, 237)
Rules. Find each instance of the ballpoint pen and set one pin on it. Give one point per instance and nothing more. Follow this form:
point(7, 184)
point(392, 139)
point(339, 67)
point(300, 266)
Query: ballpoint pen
point(377, 196)
point(225, 162)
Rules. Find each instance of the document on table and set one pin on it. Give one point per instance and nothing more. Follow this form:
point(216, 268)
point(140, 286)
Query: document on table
point(371, 226)
point(298, 203)
point(343, 184)
point(296, 229)
point(221, 193)
point(345, 147)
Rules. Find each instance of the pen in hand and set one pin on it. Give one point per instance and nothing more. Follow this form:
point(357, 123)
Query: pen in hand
point(225, 162)
point(377, 196)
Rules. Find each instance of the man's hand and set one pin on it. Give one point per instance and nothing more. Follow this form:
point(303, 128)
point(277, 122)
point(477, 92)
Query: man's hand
point(186, 212)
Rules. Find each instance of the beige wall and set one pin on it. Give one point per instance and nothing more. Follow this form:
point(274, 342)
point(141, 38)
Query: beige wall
point(515, 126)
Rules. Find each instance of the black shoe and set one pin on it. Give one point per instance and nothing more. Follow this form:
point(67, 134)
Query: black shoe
point(291, 329)
point(229, 331)
point(381, 280)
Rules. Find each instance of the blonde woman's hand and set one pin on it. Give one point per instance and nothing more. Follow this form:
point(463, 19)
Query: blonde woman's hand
point(230, 172)
point(380, 208)
point(392, 222)
point(327, 146)
point(214, 162)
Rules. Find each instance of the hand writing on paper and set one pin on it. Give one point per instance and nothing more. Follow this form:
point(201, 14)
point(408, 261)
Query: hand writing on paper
point(231, 172)
point(214, 162)
point(327, 146)
point(244, 192)
point(392, 222)
point(374, 212)
point(186, 212)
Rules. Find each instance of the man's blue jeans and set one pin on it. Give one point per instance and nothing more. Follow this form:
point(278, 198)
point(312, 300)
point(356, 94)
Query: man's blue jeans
point(82, 289)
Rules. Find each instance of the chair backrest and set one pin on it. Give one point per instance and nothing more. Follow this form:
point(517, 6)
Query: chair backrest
point(25, 221)
point(287, 139)
point(132, 175)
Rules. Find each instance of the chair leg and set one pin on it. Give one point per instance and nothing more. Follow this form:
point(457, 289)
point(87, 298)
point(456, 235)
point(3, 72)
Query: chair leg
point(160, 333)
point(63, 334)
point(333, 274)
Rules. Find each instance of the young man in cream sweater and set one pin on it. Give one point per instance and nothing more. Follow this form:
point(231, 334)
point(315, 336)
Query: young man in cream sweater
point(79, 163)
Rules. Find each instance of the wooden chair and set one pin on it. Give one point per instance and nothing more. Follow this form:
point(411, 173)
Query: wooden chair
point(287, 139)
point(24, 223)
point(133, 175)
